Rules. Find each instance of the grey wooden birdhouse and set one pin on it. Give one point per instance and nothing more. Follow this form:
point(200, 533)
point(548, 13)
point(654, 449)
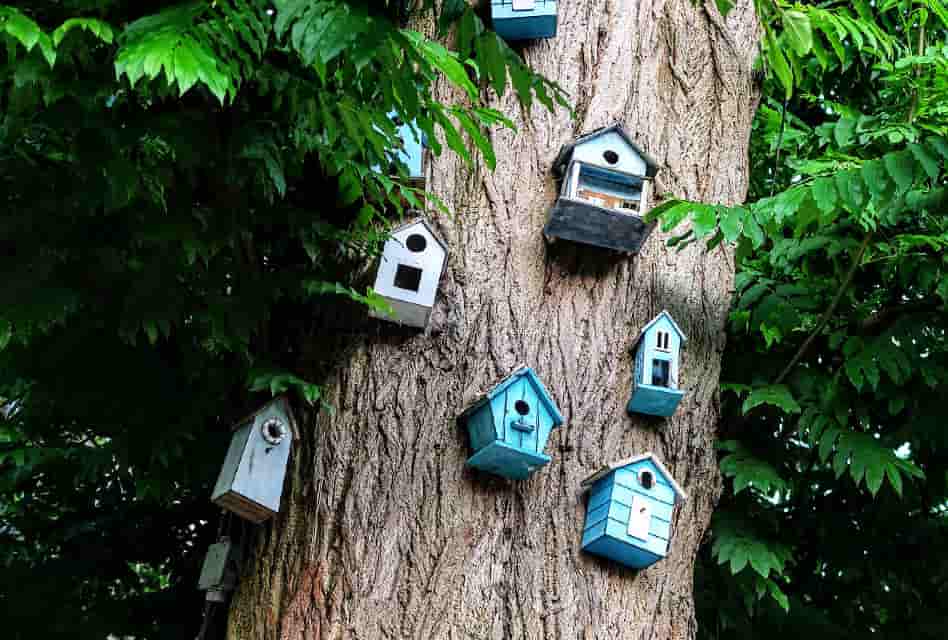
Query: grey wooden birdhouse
point(409, 272)
point(251, 481)
point(604, 195)
point(220, 570)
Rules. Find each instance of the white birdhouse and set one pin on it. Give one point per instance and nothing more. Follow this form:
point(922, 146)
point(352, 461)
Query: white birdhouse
point(409, 272)
point(251, 481)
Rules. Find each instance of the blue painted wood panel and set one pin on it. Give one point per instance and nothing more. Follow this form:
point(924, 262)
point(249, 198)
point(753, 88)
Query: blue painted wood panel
point(654, 401)
point(617, 531)
point(510, 24)
point(508, 461)
point(620, 552)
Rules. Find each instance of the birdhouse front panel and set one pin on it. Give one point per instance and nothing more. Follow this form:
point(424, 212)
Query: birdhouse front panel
point(220, 570)
point(655, 377)
point(524, 19)
point(611, 151)
point(629, 513)
point(251, 481)
point(509, 428)
point(410, 269)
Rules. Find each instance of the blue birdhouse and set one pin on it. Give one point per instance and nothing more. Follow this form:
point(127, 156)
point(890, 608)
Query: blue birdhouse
point(524, 19)
point(629, 513)
point(655, 376)
point(604, 194)
point(510, 425)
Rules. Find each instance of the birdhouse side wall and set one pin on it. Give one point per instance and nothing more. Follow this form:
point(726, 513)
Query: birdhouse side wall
point(536, 22)
point(480, 427)
point(592, 152)
point(649, 346)
point(225, 479)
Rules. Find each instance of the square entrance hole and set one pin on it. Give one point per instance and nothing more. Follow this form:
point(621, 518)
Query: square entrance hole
point(408, 278)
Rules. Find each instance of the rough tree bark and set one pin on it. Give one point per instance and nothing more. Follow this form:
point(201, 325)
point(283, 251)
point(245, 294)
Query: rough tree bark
point(384, 532)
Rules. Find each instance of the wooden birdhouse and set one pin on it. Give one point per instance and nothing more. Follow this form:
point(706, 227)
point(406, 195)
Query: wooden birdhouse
point(629, 513)
point(604, 193)
point(220, 570)
point(524, 19)
point(509, 426)
point(411, 266)
point(655, 374)
point(251, 481)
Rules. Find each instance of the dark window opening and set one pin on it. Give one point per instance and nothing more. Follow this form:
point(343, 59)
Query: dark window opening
point(416, 243)
point(611, 156)
point(660, 373)
point(407, 277)
point(647, 480)
point(522, 407)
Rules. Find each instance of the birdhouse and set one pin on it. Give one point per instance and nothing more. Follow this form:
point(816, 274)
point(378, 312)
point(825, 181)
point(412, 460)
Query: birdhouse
point(509, 426)
point(251, 481)
point(605, 182)
point(629, 513)
point(655, 374)
point(411, 266)
point(524, 19)
point(220, 570)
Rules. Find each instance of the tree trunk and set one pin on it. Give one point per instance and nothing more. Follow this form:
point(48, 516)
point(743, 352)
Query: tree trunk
point(384, 533)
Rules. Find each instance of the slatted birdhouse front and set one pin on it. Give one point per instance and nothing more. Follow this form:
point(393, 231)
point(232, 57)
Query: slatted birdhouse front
point(509, 426)
point(605, 183)
point(655, 389)
point(629, 513)
point(409, 272)
point(524, 19)
point(251, 481)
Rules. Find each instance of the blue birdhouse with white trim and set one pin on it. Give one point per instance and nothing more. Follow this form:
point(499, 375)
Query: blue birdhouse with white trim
point(604, 195)
point(524, 19)
point(655, 389)
point(629, 513)
point(510, 424)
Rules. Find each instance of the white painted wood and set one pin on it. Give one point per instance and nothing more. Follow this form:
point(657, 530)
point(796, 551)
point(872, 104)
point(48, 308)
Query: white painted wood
point(591, 152)
point(430, 261)
point(640, 518)
point(524, 5)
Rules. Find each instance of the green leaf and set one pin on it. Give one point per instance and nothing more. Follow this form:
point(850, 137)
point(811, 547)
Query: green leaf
point(98, 28)
point(778, 63)
point(777, 395)
point(489, 52)
point(798, 30)
point(704, 219)
point(824, 192)
point(732, 222)
point(929, 162)
point(843, 131)
point(901, 168)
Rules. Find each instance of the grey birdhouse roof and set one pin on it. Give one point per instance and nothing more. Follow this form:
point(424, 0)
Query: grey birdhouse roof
point(681, 334)
point(519, 372)
point(618, 464)
point(566, 151)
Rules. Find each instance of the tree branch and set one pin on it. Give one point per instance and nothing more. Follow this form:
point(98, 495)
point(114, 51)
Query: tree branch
point(887, 316)
point(829, 311)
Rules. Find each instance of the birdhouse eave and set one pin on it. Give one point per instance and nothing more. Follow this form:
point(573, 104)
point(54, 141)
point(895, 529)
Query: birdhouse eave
point(618, 464)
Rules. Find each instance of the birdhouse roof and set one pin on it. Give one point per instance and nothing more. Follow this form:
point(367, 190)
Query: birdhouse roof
point(520, 372)
point(566, 151)
point(645, 329)
point(618, 464)
point(281, 400)
point(421, 220)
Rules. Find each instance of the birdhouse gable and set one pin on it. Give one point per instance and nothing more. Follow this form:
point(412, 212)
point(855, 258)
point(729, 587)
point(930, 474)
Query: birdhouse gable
point(663, 324)
point(510, 425)
point(412, 262)
point(609, 148)
point(628, 470)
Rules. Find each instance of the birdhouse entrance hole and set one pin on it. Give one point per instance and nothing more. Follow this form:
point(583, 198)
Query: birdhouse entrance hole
point(273, 431)
point(408, 278)
point(522, 407)
point(647, 480)
point(610, 156)
point(416, 243)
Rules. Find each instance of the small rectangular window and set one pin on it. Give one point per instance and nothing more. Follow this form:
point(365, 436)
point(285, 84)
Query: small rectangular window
point(661, 340)
point(660, 372)
point(408, 278)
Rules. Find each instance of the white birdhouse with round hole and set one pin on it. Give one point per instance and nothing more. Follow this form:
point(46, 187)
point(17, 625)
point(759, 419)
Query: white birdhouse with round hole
point(409, 272)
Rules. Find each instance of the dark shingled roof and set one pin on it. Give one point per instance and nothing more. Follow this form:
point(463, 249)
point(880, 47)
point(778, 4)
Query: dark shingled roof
point(566, 151)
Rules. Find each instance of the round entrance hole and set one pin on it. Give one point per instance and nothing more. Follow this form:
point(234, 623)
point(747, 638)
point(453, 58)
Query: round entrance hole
point(646, 479)
point(522, 407)
point(610, 156)
point(416, 243)
point(273, 430)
